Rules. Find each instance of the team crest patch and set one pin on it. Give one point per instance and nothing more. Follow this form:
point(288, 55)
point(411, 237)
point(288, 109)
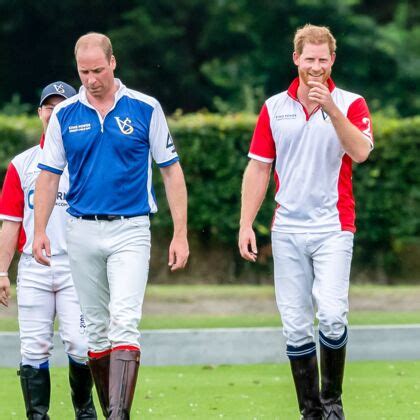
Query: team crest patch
point(124, 126)
point(59, 88)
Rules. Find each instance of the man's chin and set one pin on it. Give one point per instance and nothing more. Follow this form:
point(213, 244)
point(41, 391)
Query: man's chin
point(95, 92)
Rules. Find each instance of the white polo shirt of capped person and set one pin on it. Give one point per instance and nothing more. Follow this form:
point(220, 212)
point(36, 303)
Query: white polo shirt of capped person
point(17, 205)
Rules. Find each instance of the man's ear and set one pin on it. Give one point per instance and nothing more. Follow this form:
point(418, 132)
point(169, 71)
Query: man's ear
point(113, 62)
point(296, 58)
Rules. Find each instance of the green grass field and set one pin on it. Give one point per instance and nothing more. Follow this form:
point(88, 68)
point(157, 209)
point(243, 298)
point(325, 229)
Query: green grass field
point(374, 390)
point(189, 294)
point(245, 321)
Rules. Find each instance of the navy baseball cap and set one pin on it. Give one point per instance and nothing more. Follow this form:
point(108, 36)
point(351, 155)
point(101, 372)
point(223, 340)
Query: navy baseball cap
point(57, 89)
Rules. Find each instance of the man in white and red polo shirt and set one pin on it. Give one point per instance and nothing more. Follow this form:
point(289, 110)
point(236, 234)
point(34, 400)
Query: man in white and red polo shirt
point(43, 292)
point(312, 132)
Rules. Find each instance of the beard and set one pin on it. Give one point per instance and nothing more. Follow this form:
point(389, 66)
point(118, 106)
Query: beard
point(307, 76)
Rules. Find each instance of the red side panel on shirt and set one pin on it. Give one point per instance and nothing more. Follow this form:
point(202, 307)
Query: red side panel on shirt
point(358, 114)
point(345, 203)
point(12, 201)
point(262, 143)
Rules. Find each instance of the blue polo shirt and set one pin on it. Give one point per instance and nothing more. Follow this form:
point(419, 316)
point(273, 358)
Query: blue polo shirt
point(109, 159)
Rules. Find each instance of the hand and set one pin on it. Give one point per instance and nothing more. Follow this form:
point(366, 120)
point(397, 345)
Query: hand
point(41, 243)
point(178, 252)
point(247, 244)
point(4, 291)
point(320, 94)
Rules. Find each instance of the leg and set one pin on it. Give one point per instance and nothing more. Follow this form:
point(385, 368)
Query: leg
point(124, 368)
point(36, 389)
point(332, 260)
point(81, 384)
point(75, 342)
point(99, 366)
point(306, 378)
point(88, 265)
point(333, 356)
point(36, 308)
point(293, 282)
point(128, 268)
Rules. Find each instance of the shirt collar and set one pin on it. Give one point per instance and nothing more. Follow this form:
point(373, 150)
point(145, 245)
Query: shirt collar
point(42, 140)
point(293, 88)
point(118, 94)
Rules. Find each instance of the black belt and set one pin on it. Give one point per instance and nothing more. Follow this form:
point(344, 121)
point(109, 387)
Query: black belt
point(107, 217)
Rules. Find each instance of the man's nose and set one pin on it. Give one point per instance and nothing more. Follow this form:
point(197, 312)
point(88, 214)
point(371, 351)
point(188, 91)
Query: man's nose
point(91, 80)
point(316, 65)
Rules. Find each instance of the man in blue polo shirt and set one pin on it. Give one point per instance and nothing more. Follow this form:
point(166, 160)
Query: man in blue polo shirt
point(108, 135)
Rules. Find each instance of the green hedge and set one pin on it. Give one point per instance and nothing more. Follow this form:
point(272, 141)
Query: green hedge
point(388, 202)
point(213, 151)
point(16, 135)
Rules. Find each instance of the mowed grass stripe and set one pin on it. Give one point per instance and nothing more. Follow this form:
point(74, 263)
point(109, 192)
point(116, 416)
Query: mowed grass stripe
point(157, 322)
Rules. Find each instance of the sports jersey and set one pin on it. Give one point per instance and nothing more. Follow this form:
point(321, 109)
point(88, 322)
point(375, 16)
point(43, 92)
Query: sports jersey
point(109, 159)
point(17, 205)
point(312, 172)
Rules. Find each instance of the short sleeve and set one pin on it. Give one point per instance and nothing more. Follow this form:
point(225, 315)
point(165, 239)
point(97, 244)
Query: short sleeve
point(12, 200)
point(358, 114)
point(53, 156)
point(262, 144)
point(161, 143)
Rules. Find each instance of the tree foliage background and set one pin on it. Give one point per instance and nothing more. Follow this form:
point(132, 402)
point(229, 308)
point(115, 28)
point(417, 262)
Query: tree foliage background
point(220, 55)
point(227, 56)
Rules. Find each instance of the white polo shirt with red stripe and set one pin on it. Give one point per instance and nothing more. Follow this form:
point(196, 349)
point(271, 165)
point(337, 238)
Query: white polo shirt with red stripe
point(312, 172)
point(17, 201)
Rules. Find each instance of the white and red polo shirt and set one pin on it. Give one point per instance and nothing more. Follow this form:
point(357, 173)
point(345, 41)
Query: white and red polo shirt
point(312, 172)
point(17, 201)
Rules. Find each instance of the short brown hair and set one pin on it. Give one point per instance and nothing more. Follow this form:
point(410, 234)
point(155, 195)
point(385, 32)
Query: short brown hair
point(314, 35)
point(94, 39)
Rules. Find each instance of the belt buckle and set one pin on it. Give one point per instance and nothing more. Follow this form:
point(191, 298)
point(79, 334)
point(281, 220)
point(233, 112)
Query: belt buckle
point(111, 217)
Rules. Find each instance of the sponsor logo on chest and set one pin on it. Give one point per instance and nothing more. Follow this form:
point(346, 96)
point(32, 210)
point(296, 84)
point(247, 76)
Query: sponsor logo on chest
point(79, 127)
point(60, 201)
point(282, 117)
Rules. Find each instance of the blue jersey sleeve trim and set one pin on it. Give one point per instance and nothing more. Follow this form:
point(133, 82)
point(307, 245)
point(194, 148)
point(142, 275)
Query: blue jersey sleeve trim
point(169, 162)
point(49, 169)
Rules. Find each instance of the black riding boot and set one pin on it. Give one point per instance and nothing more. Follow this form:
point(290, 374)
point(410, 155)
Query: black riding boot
point(36, 388)
point(81, 384)
point(306, 377)
point(332, 373)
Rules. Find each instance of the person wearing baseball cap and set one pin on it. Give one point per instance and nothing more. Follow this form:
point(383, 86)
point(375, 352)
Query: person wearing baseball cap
point(59, 89)
point(43, 292)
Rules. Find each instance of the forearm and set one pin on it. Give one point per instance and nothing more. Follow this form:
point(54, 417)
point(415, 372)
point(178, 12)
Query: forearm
point(9, 235)
point(254, 188)
point(44, 200)
point(176, 193)
point(353, 141)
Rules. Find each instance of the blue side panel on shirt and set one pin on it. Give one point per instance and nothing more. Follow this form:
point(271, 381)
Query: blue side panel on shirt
point(108, 168)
